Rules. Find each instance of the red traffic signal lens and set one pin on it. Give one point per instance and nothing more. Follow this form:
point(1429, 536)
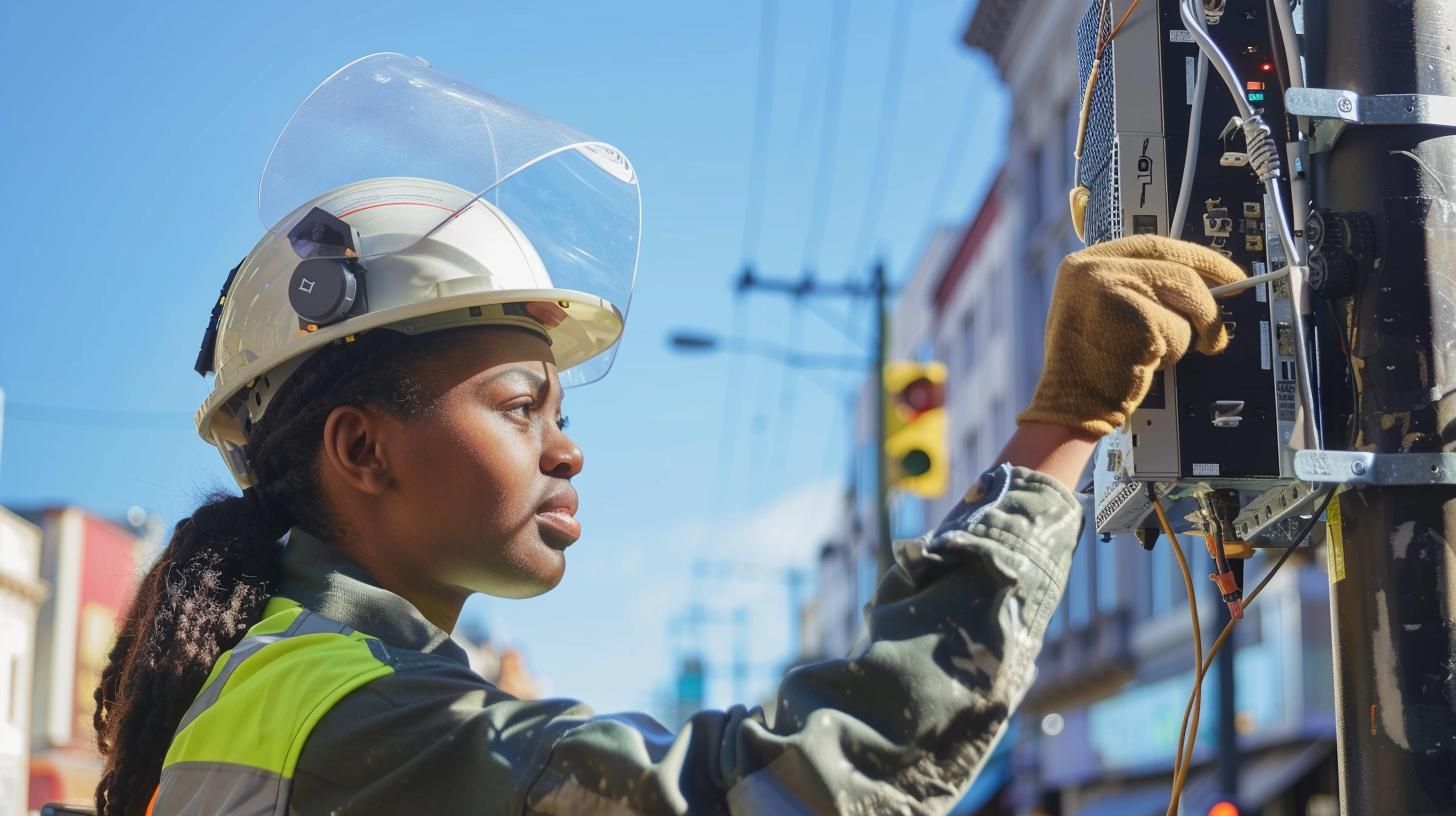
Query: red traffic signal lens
point(921, 395)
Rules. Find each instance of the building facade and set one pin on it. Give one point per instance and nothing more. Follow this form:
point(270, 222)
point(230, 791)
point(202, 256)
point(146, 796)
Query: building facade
point(21, 594)
point(971, 300)
point(92, 567)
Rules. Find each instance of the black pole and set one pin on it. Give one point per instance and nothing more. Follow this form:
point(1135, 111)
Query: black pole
point(1393, 569)
point(886, 556)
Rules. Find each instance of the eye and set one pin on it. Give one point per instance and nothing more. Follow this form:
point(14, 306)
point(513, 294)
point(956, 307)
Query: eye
point(563, 423)
point(524, 410)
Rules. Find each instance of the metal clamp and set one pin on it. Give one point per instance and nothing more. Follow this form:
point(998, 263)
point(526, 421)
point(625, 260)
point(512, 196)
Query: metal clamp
point(1277, 516)
point(1339, 109)
point(1360, 468)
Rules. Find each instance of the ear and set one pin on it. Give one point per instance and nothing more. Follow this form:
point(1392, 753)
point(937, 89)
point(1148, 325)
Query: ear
point(354, 448)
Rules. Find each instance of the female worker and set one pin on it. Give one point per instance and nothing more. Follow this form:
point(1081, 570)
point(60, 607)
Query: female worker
point(389, 363)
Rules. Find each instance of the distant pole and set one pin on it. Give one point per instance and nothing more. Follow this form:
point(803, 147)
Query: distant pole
point(878, 293)
point(882, 476)
point(796, 601)
point(740, 654)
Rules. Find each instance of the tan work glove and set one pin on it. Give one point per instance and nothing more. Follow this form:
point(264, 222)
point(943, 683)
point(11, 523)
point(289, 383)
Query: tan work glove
point(1120, 311)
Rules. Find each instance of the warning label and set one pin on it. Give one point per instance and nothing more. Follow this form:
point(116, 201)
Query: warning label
point(1284, 397)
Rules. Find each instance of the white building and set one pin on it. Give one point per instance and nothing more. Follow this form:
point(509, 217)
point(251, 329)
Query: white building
point(92, 566)
point(975, 334)
point(21, 593)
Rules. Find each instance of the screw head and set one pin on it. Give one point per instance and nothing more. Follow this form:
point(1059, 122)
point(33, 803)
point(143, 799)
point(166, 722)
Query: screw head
point(1357, 468)
point(1345, 105)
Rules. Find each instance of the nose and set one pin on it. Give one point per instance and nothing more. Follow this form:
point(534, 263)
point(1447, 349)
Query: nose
point(561, 458)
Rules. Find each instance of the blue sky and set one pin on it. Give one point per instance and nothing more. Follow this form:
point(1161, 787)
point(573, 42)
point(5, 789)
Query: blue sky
point(131, 151)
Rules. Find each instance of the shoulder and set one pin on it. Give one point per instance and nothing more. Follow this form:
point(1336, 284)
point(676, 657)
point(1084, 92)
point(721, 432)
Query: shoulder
point(431, 734)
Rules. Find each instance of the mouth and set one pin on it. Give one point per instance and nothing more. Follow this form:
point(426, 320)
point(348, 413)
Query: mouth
point(557, 521)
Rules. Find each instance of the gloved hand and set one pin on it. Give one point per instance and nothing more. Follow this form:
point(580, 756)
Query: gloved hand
point(1120, 311)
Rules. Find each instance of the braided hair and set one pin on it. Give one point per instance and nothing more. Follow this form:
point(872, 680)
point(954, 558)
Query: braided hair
point(222, 564)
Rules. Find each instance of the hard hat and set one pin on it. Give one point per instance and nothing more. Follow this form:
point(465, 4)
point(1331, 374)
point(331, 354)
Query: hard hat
point(431, 205)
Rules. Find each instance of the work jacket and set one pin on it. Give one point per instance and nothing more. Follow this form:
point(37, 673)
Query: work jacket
point(345, 699)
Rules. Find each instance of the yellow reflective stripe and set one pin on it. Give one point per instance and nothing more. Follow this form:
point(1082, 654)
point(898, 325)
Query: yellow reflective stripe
point(271, 700)
point(278, 614)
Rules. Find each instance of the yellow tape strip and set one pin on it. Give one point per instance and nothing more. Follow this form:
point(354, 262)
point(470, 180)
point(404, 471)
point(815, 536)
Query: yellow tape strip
point(1335, 536)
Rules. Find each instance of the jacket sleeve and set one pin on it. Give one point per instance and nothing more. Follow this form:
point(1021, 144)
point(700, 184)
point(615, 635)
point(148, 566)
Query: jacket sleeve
point(900, 726)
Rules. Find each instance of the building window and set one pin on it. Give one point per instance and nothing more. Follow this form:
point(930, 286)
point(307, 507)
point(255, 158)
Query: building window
point(994, 317)
point(968, 338)
point(13, 690)
point(1079, 601)
point(1160, 571)
point(1001, 416)
point(1036, 191)
point(970, 456)
point(1106, 558)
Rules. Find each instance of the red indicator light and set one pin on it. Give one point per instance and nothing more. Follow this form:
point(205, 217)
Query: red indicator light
point(1266, 67)
point(1223, 809)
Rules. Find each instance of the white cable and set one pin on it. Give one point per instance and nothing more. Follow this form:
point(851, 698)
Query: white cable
point(1190, 156)
point(1249, 283)
point(1291, 51)
point(1258, 135)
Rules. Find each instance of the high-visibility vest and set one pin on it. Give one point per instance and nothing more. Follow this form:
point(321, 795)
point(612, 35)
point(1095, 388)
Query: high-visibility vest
point(238, 745)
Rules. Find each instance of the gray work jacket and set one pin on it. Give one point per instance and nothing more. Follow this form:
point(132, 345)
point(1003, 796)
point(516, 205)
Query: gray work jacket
point(900, 726)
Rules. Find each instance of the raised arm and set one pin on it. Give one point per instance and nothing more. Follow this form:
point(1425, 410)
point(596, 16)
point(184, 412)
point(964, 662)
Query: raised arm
point(904, 723)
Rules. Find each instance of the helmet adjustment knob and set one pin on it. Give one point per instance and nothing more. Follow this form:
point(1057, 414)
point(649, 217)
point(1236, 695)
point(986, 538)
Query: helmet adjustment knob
point(322, 290)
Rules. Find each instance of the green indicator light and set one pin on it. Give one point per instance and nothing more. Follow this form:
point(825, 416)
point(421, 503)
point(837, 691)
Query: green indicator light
point(1256, 97)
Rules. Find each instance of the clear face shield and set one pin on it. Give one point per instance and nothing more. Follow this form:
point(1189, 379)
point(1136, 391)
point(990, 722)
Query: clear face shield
point(444, 149)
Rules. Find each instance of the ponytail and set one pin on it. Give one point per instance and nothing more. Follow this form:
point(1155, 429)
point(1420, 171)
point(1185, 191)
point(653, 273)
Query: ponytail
point(222, 564)
point(195, 603)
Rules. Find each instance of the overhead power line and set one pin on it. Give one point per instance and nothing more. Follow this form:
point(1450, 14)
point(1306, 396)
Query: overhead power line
point(828, 135)
point(757, 172)
point(889, 114)
point(116, 418)
point(956, 154)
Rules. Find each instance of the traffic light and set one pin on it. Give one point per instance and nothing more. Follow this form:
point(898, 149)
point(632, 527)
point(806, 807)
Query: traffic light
point(915, 428)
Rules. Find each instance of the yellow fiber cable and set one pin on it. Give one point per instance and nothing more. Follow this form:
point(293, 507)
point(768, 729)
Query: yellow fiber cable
point(1195, 702)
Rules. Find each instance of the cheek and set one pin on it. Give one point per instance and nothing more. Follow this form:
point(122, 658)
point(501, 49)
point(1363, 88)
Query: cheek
point(473, 466)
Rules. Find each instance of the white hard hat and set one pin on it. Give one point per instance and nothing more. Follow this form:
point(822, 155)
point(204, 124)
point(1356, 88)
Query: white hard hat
point(519, 222)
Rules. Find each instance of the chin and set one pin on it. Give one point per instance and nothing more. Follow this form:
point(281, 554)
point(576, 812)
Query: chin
point(521, 580)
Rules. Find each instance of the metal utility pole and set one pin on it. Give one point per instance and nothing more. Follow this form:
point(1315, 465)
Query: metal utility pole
point(1393, 530)
point(885, 555)
point(877, 292)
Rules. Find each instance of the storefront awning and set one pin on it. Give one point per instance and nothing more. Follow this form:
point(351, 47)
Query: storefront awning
point(1262, 778)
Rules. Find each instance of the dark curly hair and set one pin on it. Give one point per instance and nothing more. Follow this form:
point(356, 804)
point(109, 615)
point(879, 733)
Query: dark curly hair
point(213, 578)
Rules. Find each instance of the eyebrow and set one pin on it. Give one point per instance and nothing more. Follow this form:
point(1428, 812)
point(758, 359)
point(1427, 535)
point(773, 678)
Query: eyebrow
point(537, 381)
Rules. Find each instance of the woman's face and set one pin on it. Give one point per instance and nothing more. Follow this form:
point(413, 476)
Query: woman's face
point(480, 483)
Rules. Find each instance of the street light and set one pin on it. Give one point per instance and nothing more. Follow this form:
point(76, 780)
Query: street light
point(692, 341)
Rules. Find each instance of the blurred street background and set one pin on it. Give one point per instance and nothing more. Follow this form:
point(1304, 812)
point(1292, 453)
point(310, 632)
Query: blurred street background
point(728, 494)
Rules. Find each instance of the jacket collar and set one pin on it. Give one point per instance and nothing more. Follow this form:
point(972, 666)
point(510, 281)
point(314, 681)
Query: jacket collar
point(327, 582)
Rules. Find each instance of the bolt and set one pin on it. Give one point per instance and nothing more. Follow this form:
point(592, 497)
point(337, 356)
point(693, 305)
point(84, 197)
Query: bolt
point(1357, 468)
point(1345, 105)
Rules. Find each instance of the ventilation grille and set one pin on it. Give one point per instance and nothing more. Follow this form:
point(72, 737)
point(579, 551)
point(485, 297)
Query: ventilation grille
point(1099, 152)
